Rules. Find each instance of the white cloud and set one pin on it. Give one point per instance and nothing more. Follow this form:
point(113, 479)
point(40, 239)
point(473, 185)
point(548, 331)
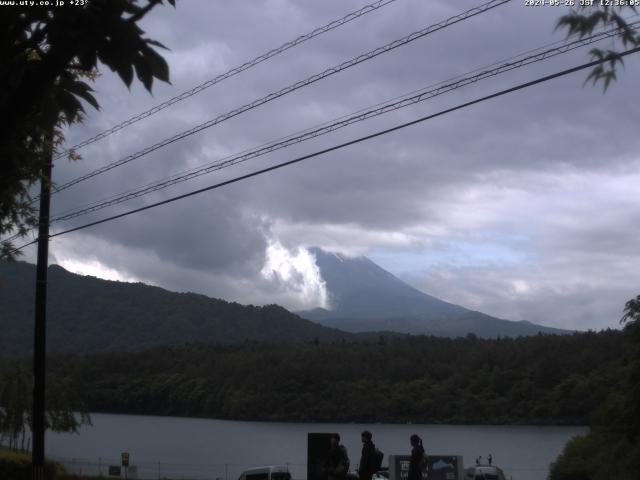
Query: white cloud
point(95, 269)
point(296, 273)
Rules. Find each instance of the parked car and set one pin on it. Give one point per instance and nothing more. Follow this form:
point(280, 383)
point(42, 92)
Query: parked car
point(272, 472)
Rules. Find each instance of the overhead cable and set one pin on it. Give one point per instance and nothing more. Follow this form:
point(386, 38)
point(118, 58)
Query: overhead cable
point(346, 144)
point(230, 73)
point(284, 91)
point(360, 116)
point(198, 169)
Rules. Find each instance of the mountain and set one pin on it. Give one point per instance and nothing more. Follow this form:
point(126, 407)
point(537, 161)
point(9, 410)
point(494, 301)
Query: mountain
point(87, 314)
point(365, 297)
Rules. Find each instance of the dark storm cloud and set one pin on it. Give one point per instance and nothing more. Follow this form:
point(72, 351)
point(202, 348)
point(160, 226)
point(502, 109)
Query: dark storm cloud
point(548, 164)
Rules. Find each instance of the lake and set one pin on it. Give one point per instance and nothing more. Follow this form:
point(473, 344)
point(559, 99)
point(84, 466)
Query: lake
point(196, 448)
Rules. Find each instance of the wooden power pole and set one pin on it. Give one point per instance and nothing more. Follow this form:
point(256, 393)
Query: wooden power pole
point(40, 333)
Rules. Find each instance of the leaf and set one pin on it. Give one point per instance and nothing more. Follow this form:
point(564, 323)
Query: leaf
point(611, 75)
point(82, 90)
point(155, 43)
point(125, 71)
point(597, 53)
point(144, 72)
point(69, 105)
point(595, 75)
point(157, 64)
point(567, 21)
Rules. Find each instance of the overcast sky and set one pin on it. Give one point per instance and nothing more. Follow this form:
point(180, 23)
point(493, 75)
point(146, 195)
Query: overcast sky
point(525, 207)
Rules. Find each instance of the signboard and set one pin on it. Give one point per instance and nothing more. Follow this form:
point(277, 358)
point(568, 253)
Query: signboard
point(317, 451)
point(114, 470)
point(439, 467)
point(125, 459)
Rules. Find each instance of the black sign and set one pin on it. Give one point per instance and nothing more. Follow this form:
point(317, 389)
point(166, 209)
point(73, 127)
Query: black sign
point(125, 459)
point(114, 470)
point(318, 445)
point(439, 467)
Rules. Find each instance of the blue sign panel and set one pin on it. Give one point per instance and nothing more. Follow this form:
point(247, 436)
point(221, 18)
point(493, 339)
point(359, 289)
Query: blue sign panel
point(439, 467)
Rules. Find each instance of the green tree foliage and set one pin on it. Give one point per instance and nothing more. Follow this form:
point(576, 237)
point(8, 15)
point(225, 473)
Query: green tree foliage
point(543, 379)
point(18, 466)
point(15, 406)
point(586, 19)
point(632, 319)
point(632, 316)
point(46, 54)
point(612, 448)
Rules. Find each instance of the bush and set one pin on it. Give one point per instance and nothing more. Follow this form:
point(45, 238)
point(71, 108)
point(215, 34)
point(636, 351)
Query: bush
point(598, 455)
point(17, 466)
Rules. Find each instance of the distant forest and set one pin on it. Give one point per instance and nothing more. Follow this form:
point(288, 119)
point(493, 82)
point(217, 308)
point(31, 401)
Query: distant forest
point(543, 379)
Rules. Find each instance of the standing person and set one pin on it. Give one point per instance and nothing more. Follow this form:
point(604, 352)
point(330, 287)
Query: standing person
point(368, 460)
point(337, 460)
point(417, 458)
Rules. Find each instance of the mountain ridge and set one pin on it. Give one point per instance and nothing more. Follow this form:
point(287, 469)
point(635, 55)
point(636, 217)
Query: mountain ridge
point(365, 297)
point(87, 314)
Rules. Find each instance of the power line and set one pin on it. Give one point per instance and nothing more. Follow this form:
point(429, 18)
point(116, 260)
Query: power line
point(302, 83)
point(405, 100)
point(24, 246)
point(380, 109)
point(346, 144)
point(230, 73)
point(563, 45)
point(157, 185)
point(12, 237)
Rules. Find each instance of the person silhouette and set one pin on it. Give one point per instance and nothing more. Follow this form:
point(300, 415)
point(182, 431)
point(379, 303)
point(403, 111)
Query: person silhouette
point(367, 466)
point(417, 458)
point(337, 460)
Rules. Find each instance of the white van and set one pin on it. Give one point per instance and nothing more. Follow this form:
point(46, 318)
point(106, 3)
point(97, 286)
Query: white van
point(273, 472)
point(484, 472)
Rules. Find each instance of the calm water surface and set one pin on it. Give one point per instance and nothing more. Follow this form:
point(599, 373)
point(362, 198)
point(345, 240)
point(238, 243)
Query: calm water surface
point(217, 449)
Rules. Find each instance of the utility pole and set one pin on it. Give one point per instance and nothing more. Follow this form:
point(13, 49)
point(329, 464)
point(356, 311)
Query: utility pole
point(40, 333)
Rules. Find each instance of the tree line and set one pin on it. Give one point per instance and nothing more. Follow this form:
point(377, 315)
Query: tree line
point(545, 379)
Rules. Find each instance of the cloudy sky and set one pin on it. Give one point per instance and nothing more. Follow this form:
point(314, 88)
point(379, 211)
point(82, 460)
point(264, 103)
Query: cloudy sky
point(523, 207)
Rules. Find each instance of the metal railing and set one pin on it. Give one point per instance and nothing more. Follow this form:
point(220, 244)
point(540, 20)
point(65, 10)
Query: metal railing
point(158, 470)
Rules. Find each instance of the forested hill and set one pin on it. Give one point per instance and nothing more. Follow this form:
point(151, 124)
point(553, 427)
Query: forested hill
point(530, 380)
point(87, 314)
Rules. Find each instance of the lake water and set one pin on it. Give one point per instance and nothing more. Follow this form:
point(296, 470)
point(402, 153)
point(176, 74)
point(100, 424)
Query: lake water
point(197, 448)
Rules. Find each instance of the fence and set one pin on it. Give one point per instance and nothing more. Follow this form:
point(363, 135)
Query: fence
point(157, 470)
